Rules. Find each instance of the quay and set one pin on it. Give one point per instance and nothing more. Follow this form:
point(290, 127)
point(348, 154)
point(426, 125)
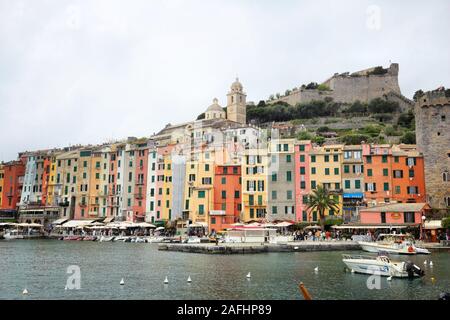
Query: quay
point(252, 248)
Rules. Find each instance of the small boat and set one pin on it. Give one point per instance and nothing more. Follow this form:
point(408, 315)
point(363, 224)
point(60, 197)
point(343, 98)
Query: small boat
point(106, 238)
point(12, 235)
point(390, 243)
point(73, 238)
point(383, 266)
point(122, 239)
point(422, 250)
point(140, 240)
point(90, 238)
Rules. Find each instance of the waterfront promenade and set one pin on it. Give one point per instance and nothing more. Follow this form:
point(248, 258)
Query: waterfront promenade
point(252, 248)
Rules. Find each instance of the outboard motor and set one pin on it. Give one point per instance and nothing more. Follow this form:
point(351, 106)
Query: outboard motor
point(412, 269)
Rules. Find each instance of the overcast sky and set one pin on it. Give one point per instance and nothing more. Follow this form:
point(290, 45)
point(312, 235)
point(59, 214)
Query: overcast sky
point(92, 71)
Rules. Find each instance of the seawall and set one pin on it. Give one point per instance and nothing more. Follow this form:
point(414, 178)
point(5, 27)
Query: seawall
point(252, 248)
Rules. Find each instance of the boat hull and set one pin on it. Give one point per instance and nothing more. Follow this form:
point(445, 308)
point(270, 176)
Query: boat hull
point(377, 248)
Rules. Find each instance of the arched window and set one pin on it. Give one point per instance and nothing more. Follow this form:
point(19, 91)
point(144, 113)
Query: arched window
point(446, 176)
point(232, 99)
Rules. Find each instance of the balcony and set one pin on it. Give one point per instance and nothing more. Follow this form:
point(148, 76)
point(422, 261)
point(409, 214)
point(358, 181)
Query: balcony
point(82, 204)
point(64, 204)
point(139, 196)
point(140, 183)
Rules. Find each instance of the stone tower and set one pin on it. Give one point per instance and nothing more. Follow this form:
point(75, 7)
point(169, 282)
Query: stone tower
point(237, 104)
point(433, 140)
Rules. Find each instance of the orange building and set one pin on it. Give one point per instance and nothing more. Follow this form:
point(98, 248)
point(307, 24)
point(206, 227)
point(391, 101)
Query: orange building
point(227, 197)
point(408, 174)
point(13, 173)
point(140, 184)
point(393, 174)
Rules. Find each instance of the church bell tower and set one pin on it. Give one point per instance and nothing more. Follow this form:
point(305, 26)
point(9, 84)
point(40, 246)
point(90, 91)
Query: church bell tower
point(237, 103)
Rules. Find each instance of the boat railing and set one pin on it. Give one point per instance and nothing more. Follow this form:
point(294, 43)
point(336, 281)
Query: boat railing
point(358, 256)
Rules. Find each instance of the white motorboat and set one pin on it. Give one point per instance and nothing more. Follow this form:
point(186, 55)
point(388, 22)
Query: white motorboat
point(21, 234)
point(13, 234)
point(422, 250)
point(106, 239)
point(382, 265)
point(390, 243)
point(121, 239)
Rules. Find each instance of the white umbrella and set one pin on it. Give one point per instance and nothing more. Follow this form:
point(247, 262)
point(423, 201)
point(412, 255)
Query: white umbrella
point(159, 228)
point(145, 225)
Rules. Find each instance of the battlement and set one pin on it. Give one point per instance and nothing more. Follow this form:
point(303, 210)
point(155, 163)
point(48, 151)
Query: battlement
point(438, 97)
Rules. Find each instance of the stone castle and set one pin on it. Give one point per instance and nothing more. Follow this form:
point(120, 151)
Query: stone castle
point(363, 85)
point(432, 112)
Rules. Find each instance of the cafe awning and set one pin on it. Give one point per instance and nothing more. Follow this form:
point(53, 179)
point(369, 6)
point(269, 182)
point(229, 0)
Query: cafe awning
point(433, 224)
point(59, 221)
point(356, 195)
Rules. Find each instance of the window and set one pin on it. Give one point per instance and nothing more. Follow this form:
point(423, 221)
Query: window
point(313, 184)
point(347, 184)
point(213, 220)
point(409, 217)
point(285, 147)
point(274, 210)
point(304, 215)
point(327, 158)
point(274, 177)
point(288, 175)
point(302, 170)
point(313, 170)
point(385, 172)
point(288, 158)
point(327, 171)
point(369, 159)
point(369, 172)
point(201, 209)
point(313, 158)
point(412, 190)
point(289, 194)
point(301, 147)
point(302, 185)
point(346, 169)
point(411, 173)
point(386, 186)
point(398, 174)
point(224, 180)
point(357, 184)
point(336, 158)
point(446, 176)
point(251, 200)
point(302, 158)
point(236, 194)
point(336, 171)
point(396, 159)
point(384, 158)
point(274, 195)
point(397, 190)
point(206, 167)
point(201, 194)
point(224, 194)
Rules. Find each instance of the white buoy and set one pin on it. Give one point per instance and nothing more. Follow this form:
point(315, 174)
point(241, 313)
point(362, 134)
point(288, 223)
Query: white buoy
point(425, 262)
point(65, 288)
point(431, 263)
point(316, 269)
point(189, 279)
point(249, 275)
point(166, 281)
point(353, 271)
point(122, 282)
point(389, 279)
point(25, 291)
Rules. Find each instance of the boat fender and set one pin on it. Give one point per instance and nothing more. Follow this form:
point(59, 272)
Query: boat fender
point(410, 249)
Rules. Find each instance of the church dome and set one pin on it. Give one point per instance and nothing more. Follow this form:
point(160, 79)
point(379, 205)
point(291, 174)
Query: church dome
point(237, 86)
point(215, 106)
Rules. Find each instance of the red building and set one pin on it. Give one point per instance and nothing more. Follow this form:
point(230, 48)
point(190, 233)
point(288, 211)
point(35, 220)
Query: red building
point(14, 172)
point(227, 197)
point(140, 179)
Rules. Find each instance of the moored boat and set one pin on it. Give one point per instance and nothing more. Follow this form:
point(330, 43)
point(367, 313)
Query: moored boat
point(390, 243)
point(106, 238)
point(383, 266)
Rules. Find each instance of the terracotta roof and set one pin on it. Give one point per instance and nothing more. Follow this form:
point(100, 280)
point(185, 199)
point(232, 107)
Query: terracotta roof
point(397, 207)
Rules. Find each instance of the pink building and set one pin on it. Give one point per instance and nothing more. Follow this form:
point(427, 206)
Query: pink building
point(140, 190)
point(302, 179)
point(396, 214)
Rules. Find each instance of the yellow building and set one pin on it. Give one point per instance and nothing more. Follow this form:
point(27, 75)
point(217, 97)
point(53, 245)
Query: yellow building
point(166, 205)
point(98, 184)
point(254, 184)
point(51, 188)
point(199, 192)
point(326, 164)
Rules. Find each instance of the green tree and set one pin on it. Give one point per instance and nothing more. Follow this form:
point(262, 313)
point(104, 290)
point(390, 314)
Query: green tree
point(353, 139)
point(323, 87)
point(406, 120)
point(446, 223)
point(320, 201)
point(323, 129)
point(304, 135)
point(408, 138)
point(357, 107)
point(379, 105)
point(319, 140)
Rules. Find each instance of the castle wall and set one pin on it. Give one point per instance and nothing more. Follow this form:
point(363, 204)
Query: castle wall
point(433, 140)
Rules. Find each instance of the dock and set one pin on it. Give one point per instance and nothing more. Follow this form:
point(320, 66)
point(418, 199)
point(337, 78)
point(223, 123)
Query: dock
point(253, 248)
